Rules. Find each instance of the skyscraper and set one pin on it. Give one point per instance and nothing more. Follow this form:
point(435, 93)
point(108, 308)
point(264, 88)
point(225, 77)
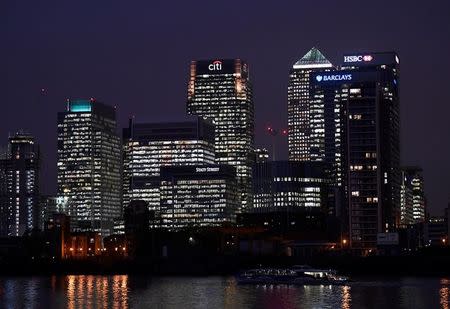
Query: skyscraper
point(19, 186)
point(220, 90)
point(367, 91)
point(149, 146)
point(301, 120)
point(89, 158)
point(406, 201)
point(414, 183)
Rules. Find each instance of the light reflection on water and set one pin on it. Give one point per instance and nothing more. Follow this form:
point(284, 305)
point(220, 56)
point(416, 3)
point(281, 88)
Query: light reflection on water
point(123, 291)
point(444, 293)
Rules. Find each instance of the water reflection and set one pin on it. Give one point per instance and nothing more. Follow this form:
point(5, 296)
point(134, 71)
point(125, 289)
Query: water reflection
point(346, 298)
point(87, 291)
point(444, 293)
point(123, 291)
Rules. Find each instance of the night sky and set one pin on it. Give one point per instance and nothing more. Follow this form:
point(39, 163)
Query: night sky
point(136, 54)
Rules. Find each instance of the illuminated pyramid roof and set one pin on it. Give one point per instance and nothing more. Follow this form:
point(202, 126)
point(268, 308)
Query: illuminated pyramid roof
point(313, 59)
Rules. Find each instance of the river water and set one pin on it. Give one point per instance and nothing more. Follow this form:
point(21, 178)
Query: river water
point(131, 291)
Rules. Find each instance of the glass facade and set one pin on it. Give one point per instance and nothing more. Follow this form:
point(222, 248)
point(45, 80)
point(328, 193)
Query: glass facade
point(289, 185)
point(19, 186)
point(220, 90)
point(406, 201)
point(373, 150)
point(303, 123)
point(413, 208)
point(198, 196)
point(149, 146)
point(360, 139)
point(88, 168)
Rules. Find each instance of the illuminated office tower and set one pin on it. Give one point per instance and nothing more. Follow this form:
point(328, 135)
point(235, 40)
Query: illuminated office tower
point(89, 159)
point(366, 91)
point(413, 181)
point(19, 186)
point(220, 90)
point(301, 122)
point(198, 196)
point(149, 146)
point(289, 186)
point(406, 201)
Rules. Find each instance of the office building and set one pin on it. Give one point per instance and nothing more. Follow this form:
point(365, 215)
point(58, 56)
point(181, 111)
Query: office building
point(413, 180)
point(406, 201)
point(366, 90)
point(198, 196)
point(48, 206)
point(302, 123)
point(149, 146)
point(435, 232)
point(289, 186)
point(88, 168)
point(19, 186)
point(220, 90)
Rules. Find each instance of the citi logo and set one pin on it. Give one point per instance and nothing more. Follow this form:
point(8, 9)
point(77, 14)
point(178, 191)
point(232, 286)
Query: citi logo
point(215, 66)
point(358, 58)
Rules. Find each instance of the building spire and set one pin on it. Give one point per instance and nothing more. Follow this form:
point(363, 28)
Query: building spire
point(313, 59)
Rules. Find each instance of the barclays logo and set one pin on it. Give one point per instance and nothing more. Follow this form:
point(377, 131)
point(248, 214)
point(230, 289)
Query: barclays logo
point(334, 77)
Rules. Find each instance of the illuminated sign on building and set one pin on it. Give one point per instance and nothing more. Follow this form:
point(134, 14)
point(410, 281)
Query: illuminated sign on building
point(370, 59)
point(334, 77)
point(207, 169)
point(358, 58)
point(215, 66)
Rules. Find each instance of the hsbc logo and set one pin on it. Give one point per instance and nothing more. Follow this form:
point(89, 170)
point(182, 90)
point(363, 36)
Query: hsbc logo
point(215, 66)
point(358, 58)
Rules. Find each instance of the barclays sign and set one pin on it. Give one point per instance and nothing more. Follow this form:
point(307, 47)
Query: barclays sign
point(334, 77)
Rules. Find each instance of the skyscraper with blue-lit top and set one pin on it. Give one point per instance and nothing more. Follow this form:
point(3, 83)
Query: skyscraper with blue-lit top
point(89, 156)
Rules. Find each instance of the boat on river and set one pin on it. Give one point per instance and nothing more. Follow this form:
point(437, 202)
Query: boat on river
point(296, 275)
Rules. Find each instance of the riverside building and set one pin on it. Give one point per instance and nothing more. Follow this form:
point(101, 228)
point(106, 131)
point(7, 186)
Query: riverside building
point(88, 168)
point(19, 186)
point(147, 147)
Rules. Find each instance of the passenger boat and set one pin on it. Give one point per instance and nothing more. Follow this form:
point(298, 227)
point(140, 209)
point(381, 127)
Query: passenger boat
point(296, 275)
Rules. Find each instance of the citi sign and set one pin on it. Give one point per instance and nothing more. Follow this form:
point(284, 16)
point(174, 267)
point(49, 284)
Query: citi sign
point(215, 66)
point(334, 77)
point(358, 58)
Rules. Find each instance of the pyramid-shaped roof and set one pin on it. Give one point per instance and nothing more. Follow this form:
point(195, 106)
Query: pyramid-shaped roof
point(313, 59)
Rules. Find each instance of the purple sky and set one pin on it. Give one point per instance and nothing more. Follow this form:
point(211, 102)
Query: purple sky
point(135, 55)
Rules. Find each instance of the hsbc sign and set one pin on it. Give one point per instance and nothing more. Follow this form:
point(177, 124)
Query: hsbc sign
point(358, 58)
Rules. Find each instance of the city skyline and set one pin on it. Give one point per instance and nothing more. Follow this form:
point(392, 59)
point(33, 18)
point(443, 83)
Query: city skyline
point(139, 98)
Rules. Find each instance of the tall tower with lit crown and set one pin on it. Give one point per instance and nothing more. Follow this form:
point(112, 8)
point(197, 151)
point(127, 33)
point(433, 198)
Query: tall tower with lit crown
point(301, 125)
point(89, 158)
point(220, 90)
